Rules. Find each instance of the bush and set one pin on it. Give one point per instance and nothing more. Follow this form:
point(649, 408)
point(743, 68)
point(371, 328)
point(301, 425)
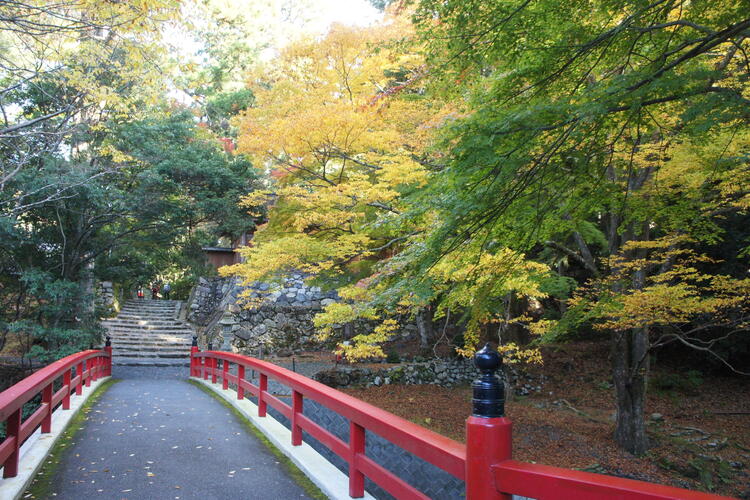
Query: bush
point(392, 357)
point(687, 382)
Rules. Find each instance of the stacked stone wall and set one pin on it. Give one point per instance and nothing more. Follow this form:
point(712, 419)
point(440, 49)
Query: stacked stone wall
point(105, 296)
point(444, 373)
point(282, 320)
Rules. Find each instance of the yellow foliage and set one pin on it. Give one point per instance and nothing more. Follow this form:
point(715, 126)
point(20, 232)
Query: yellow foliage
point(366, 346)
point(673, 296)
point(337, 122)
point(342, 124)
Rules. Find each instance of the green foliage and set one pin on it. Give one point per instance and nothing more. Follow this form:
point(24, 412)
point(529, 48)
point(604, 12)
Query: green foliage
point(140, 203)
point(392, 357)
point(686, 383)
point(62, 323)
point(222, 106)
point(381, 4)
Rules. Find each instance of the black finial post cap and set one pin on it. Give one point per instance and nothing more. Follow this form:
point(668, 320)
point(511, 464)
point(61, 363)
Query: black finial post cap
point(489, 393)
point(195, 341)
point(210, 346)
point(108, 342)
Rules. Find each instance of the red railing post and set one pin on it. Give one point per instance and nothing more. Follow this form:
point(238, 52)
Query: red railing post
point(488, 432)
point(79, 373)
point(108, 360)
point(13, 431)
point(213, 364)
point(193, 360)
point(356, 447)
point(47, 400)
point(262, 388)
point(224, 374)
point(88, 369)
point(297, 402)
point(66, 384)
point(240, 378)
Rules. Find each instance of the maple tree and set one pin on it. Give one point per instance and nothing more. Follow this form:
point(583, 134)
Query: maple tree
point(343, 123)
point(342, 157)
point(596, 130)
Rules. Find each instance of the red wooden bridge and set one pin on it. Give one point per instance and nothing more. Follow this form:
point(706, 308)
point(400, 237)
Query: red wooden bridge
point(485, 463)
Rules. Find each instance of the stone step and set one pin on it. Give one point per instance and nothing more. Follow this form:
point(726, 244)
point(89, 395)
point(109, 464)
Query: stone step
point(144, 328)
point(126, 317)
point(152, 336)
point(121, 326)
point(165, 310)
point(146, 300)
point(133, 339)
point(145, 321)
point(129, 323)
point(140, 307)
point(147, 333)
point(153, 339)
point(180, 334)
point(141, 319)
point(183, 348)
point(152, 304)
point(125, 361)
point(135, 323)
point(150, 344)
point(146, 315)
point(149, 354)
point(150, 331)
point(126, 310)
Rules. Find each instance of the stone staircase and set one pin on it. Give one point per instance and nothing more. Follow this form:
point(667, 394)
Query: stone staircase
point(148, 333)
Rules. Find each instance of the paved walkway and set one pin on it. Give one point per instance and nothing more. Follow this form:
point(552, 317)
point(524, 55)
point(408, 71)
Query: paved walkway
point(155, 436)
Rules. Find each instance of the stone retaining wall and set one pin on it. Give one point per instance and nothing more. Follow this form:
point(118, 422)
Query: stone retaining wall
point(283, 320)
point(105, 296)
point(445, 373)
point(435, 372)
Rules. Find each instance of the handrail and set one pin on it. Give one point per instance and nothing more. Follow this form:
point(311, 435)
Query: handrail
point(89, 366)
point(542, 482)
point(432, 447)
point(485, 463)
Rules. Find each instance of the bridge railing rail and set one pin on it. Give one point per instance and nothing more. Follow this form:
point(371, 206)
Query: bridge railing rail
point(89, 366)
point(485, 463)
point(432, 447)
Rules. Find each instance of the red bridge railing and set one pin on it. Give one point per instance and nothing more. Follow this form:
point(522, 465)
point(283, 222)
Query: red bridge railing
point(89, 366)
point(430, 446)
point(484, 463)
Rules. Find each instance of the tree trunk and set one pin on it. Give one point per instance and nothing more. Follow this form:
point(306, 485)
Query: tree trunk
point(630, 370)
point(630, 348)
point(424, 327)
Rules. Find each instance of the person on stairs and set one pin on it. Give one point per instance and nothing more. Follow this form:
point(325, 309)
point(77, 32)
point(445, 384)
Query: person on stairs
point(155, 291)
point(140, 292)
point(165, 291)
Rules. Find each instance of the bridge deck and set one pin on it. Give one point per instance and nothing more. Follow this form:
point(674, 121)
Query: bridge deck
point(153, 435)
